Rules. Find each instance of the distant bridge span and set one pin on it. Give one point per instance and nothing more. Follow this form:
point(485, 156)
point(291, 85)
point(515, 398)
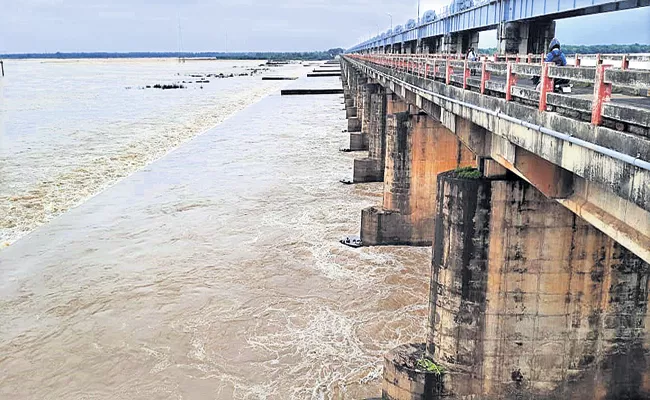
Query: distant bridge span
point(484, 15)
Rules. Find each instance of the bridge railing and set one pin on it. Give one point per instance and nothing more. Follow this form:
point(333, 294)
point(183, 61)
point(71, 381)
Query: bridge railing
point(620, 60)
point(502, 78)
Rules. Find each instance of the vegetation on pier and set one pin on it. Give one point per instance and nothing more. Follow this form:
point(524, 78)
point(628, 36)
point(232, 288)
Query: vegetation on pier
point(468, 173)
point(429, 366)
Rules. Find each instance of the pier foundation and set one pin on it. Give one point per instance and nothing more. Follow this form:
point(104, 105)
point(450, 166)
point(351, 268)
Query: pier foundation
point(418, 148)
point(359, 138)
point(528, 301)
point(371, 168)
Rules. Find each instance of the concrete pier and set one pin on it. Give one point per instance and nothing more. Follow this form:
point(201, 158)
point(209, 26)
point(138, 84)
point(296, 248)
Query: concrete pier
point(417, 149)
point(382, 104)
point(529, 301)
point(358, 125)
point(371, 168)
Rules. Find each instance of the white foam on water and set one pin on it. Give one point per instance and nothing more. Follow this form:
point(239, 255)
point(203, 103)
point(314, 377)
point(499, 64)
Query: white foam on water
point(118, 145)
point(227, 283)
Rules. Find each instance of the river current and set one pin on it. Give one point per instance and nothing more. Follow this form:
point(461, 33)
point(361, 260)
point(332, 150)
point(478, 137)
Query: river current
point(213, 272)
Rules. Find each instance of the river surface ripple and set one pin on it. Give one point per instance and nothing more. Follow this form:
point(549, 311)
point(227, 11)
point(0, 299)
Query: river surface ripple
point(215, 273)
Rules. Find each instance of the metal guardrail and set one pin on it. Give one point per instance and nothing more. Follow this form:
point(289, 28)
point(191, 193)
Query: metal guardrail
point(453, 70)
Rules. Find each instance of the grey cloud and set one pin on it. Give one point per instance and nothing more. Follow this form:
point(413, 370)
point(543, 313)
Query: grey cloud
point(151, 25)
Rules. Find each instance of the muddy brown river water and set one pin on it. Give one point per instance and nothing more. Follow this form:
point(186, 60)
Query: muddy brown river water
point(215, 273)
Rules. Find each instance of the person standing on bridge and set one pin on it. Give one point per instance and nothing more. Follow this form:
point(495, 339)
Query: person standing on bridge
point(471, 56)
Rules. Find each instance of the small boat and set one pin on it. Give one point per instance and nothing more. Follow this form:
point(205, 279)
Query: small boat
point(346, 181)
point(345, 150)
point(351, 241)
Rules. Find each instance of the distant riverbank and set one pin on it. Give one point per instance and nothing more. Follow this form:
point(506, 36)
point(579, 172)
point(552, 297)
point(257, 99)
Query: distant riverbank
point(299, 56)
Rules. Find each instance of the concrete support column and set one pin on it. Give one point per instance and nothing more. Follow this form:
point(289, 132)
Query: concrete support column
point(359, 137)
point(371, 168)
point(452, 43)
point(470, 39)
point(540, 34)
point(353, 114)
point(426, 46)
point(525, 37)
point(350, 102)
point(417, 149)
point(509, 38)
point(529, 301)
point(346, 70)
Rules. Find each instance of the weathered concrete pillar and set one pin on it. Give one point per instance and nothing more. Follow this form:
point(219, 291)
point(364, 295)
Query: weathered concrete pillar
point(525, 37)
point(470, 39)
point(430, 45)
point(540, 34)
point(417, 149)
point(350, 103)
point(452, 43)
point(529, 301)
point(509, 39)
point(359, 137)
point(353, 114)
point(371, 168)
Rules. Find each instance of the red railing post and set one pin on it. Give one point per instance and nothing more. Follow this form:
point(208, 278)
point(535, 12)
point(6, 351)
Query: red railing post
point(625, 64)
point(529, 59)
point(546, 86)
point(485, 75)
point(602, 94)
point(511, 80)
point(599, 59)
point(466, 72)
point(576, 63)
point(426, 69)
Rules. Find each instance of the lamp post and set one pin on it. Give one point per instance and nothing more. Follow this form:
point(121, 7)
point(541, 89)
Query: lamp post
point(417, 31)
point(391, 31)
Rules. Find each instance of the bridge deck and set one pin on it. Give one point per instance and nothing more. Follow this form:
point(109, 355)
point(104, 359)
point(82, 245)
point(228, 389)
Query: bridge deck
point(627, 109)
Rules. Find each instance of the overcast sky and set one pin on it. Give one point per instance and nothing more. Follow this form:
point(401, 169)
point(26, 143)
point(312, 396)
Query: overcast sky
point(266, 25)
